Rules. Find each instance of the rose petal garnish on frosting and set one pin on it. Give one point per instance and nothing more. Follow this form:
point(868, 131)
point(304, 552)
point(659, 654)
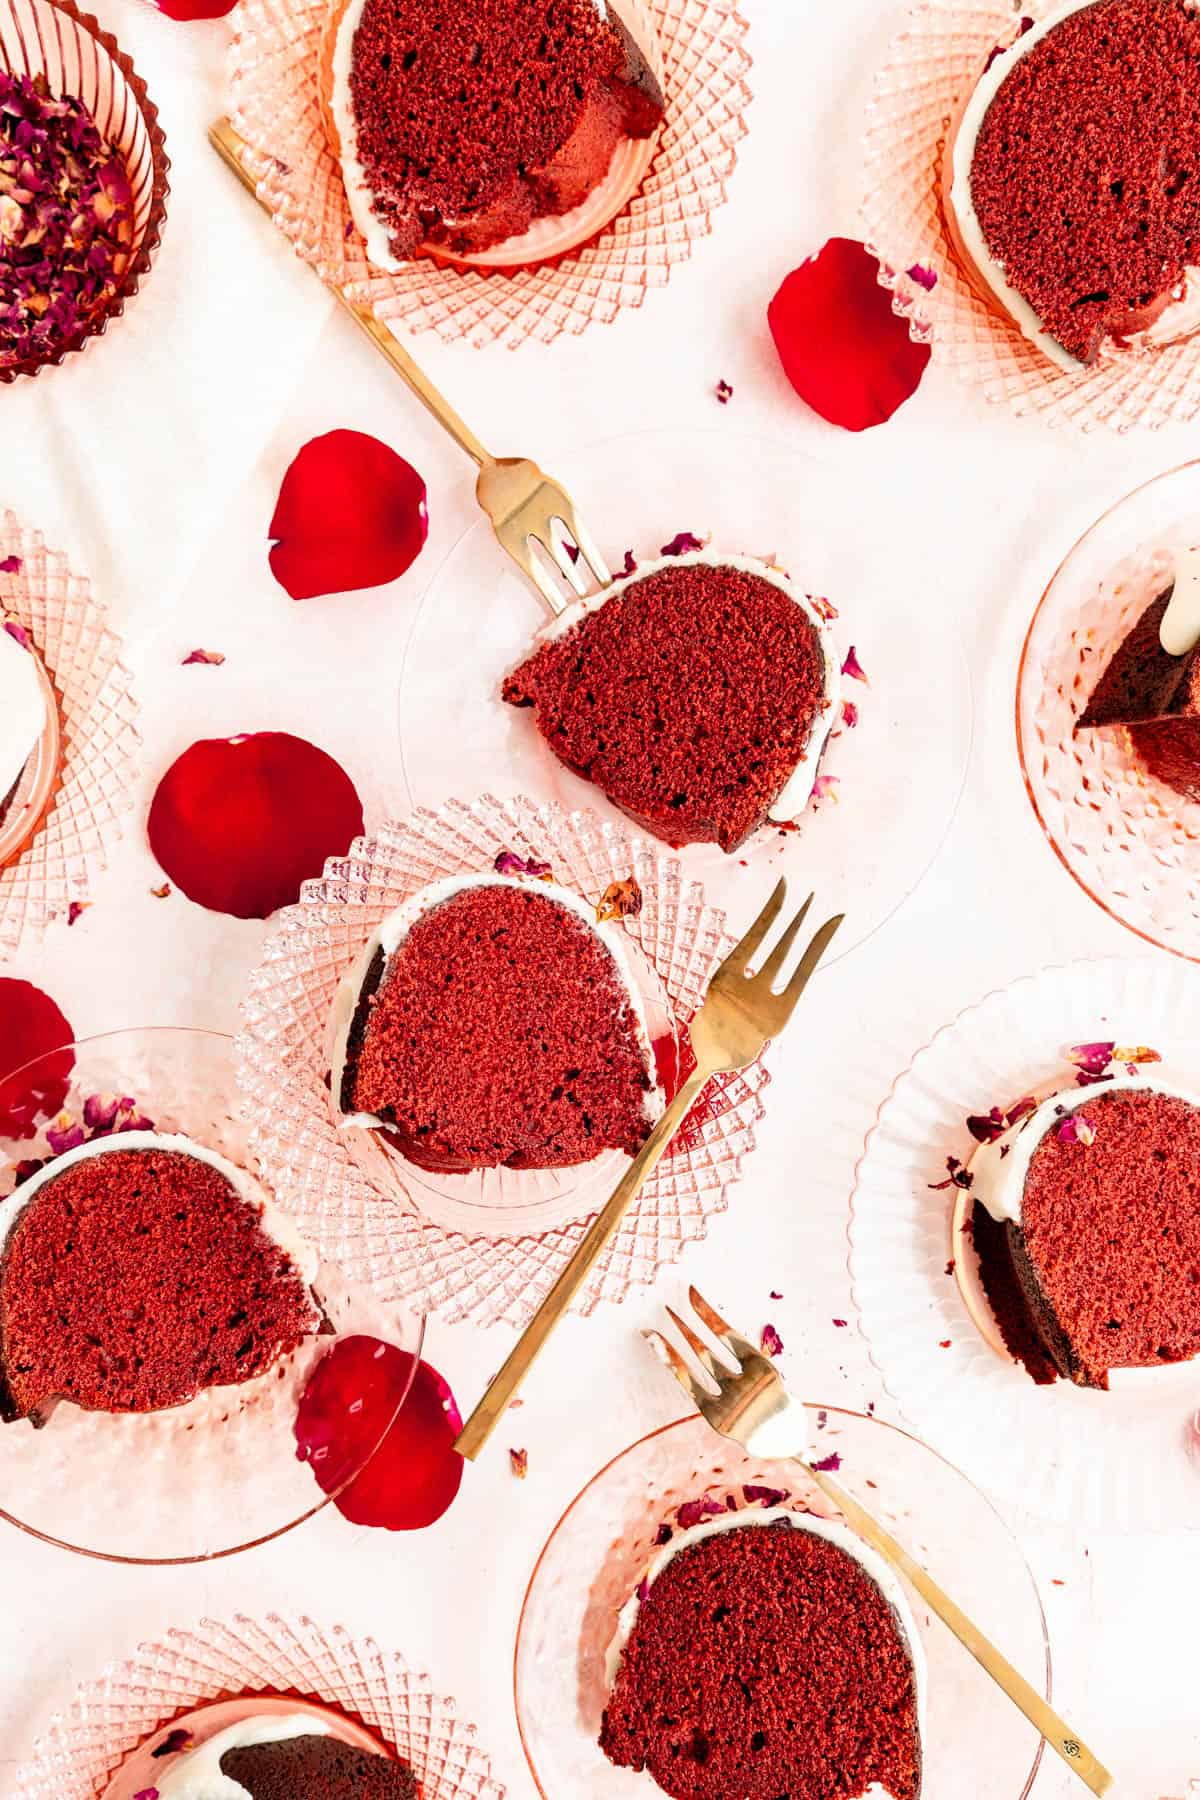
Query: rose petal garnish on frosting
point(854, 669)
point(350, 514)
point(239, 823)
point(1091, 1059)
point(31, 1026)
point(1074, 1129)
point(957, 1175)
point(663, 1535)
point(509, 863)
point(100, 1112)
point(682, 544)
point(174, 1742)
point(768, 1496)
point(828, 1465)
point(924, 278)
point(65, 1134)
point(770, 1342)
point(695, 1512)
point(985, 1128)
point(10, 565)
point(620, 900)
point(214, 657)
point(724, 392)
point(413, 1475)
point(845, 351)
point(518, 1461)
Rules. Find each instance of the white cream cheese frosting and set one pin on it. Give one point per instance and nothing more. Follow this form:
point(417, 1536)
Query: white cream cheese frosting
point(796, 792)
point(391, 933)
point(1000, 1169)
point(277, 1226)
point(754, 1518)
point(1179, 632)
point(1179, 317)
point(22, 710)
point(197, 1774)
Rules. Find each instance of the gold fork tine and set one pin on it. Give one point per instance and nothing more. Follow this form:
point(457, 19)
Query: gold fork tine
point(573, 566)
point(779, 955)
point(671, 1360)
point(736, 962)
point(588, 547)
point(737, 1346)
point(786, 1002)
point(696, 1345)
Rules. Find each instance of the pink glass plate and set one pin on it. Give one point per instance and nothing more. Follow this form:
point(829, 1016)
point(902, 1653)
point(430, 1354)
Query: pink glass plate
point(275, 107)
point(486, 1250)
point(598, 1551)
point(931, 66)
point(371, 1693)
point(99, 737)
point(55, 39)
point(1132, 843)
point(220, 1474)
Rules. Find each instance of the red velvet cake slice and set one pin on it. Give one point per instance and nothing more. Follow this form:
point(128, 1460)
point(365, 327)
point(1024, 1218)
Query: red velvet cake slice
point(768, 1654)
point(284, 1758)
point(492, 1022)
point(1071, 187)
point(698, 694)
point(461, 122)
point(140, 1269)
point(1155, 697)
point(1087, 1225)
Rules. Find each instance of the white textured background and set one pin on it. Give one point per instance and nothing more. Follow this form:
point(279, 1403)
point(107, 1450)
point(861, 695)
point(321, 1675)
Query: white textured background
point(154, 460)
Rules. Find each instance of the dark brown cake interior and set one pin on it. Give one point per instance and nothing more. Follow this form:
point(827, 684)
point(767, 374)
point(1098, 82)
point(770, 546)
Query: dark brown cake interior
point(1156, 698)
point(317, 1768)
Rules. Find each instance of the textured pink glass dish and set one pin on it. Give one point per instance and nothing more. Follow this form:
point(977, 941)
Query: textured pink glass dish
point(221, 1473)
point(932, 65)
point(1131, 842)
point(599, 1549)
point(1118, 1461)
point(470, 1247)
point(274, 103)
point(85, 1745)
point(53, 38)
point(99, 739)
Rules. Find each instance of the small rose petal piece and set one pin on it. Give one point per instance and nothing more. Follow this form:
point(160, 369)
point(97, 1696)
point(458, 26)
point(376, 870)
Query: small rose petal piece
point(1135, 1053)
point(17, 632)
point(629, 566)
point(1074, 1129)
point(770, 1342)
point(724, 392)
point(682, 544)
point(845, 351)
point(350, 514)
point(620, 900)
point(849, 714)
point(823, 788)
point(174, 1742)
point(755, 1494)
point(1092, 1059)
point(10, 565)
point(853, 668)
point(214, 657)
point(65, 1134)
point(924, 278)
point(694, 1512)
point(828, 1465)
point(509, 863)
point(519, 1463)
point(76, 910)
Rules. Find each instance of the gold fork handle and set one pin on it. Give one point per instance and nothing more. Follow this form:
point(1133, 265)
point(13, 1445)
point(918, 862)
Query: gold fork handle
point(230, 147)
point(1057, 1733)
point(487, 1415)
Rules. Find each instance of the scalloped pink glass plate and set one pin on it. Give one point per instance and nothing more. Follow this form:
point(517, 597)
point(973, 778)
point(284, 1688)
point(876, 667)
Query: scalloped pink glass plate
point(275, 107)
point(598, 1551)
point(97, 712)
point(1131, 842)
point(931, 65)
point(468, 1247)
point(1126, 1460)
point(371, 1691)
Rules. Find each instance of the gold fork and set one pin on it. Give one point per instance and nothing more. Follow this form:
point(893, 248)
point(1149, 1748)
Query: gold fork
point(741, 1011)
point(752, 1406)
point(533, 517)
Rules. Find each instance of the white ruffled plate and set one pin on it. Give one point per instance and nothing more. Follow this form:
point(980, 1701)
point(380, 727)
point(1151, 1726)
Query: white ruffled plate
point(1127, 1459)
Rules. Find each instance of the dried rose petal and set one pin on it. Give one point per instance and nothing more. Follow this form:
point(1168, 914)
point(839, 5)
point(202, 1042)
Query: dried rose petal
point(31, 1026)
point(774, 1295)
point(65, 1134)
point(1093, 1059)
point(239, 823)
point(1074, 1129)
point(853, 668)
point(849, 714)
point(174, 1742)
point(695, 1512)
point(10, 565)
point(620, 900)
point(214, 657)
point(841, 1324)
point(822, 606)
point(509, 863)
point(828, 1465)
point(845, 351)
point(76, 910)
point(629, 566)
point(682, 544)
point(28, 1166)
point(957, 1175)
point(770, 1342)
point(1025, 25)
point(663, 1535)
point(985, 1128)
point(643, 1590)
point(823, 787)
point(413, 1476)
point(146, 1794)
point(163, 892)
point(186, 12)
point(925, 278)
point(519, 1463)
point(769, 1496)
point(99, 1113)
point(724, 392)
point(350, 514)
point(17, 633)
point(1134, 1053)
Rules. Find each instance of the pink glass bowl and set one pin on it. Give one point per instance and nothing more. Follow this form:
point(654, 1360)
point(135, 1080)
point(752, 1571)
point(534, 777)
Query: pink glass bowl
point(367, 1694)
point(77, 57)
point(275, 106)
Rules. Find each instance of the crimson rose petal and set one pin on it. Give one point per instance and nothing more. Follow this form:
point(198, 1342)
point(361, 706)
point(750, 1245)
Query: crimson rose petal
point(31, 1025)
point(414, 1474)
point(238, 823)
point(350, 514)
point(844, 350)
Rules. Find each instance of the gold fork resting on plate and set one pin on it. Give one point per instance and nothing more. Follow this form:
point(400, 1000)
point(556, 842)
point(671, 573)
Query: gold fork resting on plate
point(742, 1396)
point(741, 1011)
point(533, 517)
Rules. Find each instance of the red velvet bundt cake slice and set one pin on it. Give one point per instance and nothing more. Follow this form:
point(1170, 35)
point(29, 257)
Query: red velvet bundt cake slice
point(492, 1022)
point(1087, 1225)
point(768, 1654)
point(698, 694)
point(1155, 698)
point(461, 122)
point(1071, 186)
point(140, 1269)
point(284, 1757)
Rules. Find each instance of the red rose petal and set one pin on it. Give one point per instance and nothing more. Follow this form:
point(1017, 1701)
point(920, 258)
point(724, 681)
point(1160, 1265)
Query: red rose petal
point(187, 11)
point(844, 350)
point(350, 514)
point(30, 1026)
point(415, 1473)
point(238, 823)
